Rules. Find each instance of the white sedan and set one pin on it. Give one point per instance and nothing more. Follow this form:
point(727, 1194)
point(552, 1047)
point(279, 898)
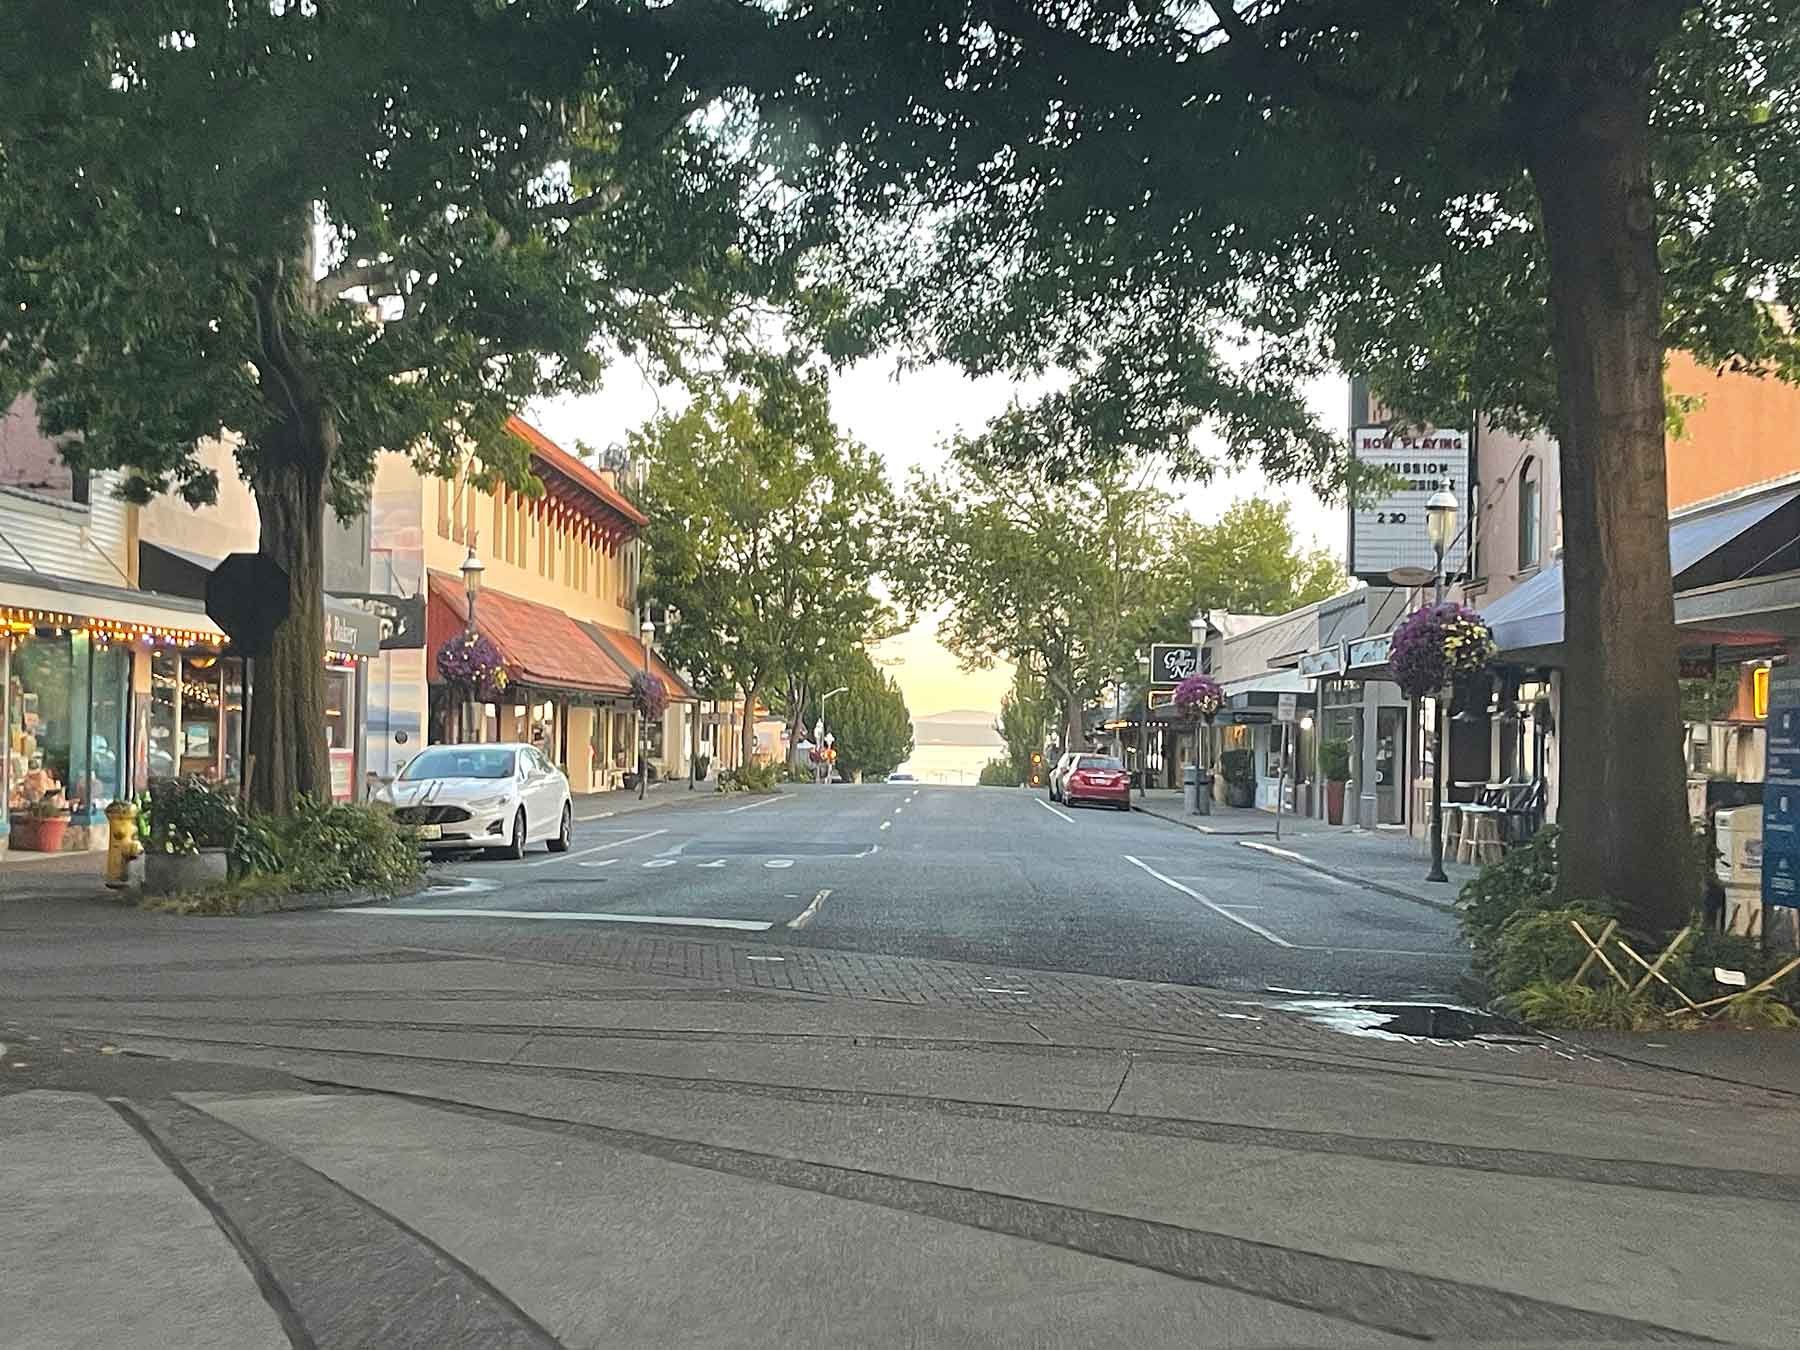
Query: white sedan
point(498, 797)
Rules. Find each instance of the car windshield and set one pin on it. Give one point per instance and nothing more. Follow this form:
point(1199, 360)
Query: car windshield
point(1099, 762)
point(460, 761)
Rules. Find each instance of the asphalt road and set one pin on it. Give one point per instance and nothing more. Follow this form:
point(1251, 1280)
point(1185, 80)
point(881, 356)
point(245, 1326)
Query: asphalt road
point(975, 874)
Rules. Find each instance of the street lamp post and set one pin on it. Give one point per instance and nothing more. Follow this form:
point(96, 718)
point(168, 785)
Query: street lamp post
point(1440, 528)
point(647, 633)
point(471, 569)
point(820, 729)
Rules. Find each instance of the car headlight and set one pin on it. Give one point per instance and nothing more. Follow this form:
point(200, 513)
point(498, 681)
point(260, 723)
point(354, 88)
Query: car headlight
point(493, 803)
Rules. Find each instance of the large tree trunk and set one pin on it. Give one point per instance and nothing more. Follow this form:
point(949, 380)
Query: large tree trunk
point(1623, 810)
point(1074, 721)
point(287, 706)
point(748, 746)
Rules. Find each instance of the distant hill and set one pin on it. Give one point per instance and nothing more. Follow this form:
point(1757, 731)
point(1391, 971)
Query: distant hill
point(961, 726)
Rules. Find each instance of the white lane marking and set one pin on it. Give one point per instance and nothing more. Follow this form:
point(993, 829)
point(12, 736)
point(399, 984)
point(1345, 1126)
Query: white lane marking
point(666, 920)
point(807, 915)
point(660, 862)
point(716, 862)
point(750, 806)
point(779, 862)
point(1223, 905)
point(1218, 909)
point(598, 815)
point(872, 848)
point(597, 848)
point(600, 862)
point(899, 809)
point(1053, 811)
point(887, 824)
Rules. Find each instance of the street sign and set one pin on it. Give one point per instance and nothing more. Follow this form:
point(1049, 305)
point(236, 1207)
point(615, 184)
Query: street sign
point(247, 596)
point(1173, 662)
point(1161, 698)
point(1287, 707)
point(1388, 530)
point(1781, 791)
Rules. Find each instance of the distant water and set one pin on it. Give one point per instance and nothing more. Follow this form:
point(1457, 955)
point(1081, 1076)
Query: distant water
point(951, 764)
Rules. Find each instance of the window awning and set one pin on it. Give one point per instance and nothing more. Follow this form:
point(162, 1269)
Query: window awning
point(29, 593)
point(1531, 615)
point(543, 647)
point(627, 652)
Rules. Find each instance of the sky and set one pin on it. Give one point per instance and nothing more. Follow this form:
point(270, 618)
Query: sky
point(906, 417)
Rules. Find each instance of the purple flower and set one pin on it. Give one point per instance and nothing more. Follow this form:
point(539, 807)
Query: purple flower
point(473, 664)
point(1199, 696)
point(1436, 643)
point(649, 694)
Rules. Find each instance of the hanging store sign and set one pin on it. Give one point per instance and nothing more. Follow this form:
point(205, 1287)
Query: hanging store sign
point(1171, 663)
point(1319, 664)
point(1366, 652)
point(1388, 529)
point(1781, 791)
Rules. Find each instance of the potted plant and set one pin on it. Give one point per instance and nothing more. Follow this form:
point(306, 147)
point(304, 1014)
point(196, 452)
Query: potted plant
point(1239, 768)
point(1334, 760)
point(40, 826)
point(193, 824)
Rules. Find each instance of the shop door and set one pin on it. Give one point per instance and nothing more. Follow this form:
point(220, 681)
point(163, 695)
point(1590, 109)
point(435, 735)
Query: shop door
point(1390, 766)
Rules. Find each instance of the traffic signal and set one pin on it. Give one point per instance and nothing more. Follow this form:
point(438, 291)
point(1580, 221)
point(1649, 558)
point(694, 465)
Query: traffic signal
point(1037, 769)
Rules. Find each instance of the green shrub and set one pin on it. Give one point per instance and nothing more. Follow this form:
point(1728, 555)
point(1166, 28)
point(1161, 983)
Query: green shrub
point(1524, 880)
point(345, 846)
point(189, 814)
point(1334, 760)
point(1537, 946)
point(1760, 1012)
point(998, 773)
point(1580, 1007)
point(751, 778)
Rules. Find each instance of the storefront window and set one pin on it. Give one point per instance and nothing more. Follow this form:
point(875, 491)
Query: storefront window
point(201, 715)
point(165, 712)
point(66, 724)
point(232, 736)
point(340, 730)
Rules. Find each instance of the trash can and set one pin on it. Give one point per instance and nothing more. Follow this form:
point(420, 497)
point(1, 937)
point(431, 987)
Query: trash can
point(1196, 790)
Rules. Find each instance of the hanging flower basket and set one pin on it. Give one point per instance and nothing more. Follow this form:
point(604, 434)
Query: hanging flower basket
point(474, 665)
point(648, 695)
point(1199, 696)
point(1436, 644)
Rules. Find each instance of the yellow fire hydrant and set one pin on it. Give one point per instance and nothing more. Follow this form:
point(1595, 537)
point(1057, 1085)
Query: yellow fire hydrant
point(122, 843)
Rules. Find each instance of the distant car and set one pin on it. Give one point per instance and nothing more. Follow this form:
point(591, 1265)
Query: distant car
point(1059, 772)
point(497, 797)
point(1097, 778)
point(901, 777)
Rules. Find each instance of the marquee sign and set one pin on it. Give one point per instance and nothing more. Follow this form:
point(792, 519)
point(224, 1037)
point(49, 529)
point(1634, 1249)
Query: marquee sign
point(1388, 530)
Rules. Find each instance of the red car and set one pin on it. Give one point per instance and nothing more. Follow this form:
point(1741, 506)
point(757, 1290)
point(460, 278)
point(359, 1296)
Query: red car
point(1098, 778)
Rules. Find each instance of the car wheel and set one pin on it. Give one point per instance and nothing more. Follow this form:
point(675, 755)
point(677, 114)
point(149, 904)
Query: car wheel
point(516, 849)
point(564, 832)
point(1124, 806)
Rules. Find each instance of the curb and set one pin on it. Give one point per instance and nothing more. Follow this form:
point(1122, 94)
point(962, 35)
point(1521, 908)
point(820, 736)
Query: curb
point(1203, 829)
point(1287, 855)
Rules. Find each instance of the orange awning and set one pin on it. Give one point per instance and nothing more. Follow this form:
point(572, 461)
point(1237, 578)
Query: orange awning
point(543, 647)
point(626, 650)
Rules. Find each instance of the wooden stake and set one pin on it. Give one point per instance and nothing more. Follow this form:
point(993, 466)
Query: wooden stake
point(1625, 947)
point(1668, 951)
point(1594, 950)
point(1753, 989)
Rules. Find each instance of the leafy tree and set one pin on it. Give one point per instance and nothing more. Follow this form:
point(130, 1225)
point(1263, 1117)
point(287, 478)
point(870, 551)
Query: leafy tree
point(1246, 562)
point(1058, 578)
point(764, 533)
point(870, 721)
point(1026, 713)
point(331, 229)
point(1188, 208)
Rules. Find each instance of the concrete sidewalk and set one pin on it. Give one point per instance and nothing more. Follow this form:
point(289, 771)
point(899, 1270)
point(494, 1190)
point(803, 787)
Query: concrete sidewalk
point(279, 1133)
point(1389, 861)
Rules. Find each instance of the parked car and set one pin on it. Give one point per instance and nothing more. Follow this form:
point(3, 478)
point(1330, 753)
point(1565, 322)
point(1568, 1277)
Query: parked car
point(498, 797)
point(901, 777)
point(1059, 773)
point(1097, 778)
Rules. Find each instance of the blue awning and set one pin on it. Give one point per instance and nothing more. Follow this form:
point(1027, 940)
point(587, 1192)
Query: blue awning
point(1531, 615)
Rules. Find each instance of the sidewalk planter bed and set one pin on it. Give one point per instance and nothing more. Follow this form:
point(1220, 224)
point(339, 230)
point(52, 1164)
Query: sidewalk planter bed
point(171, 873)
point(1239, 769)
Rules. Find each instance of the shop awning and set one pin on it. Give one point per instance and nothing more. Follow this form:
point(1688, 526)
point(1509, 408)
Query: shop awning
point(1531, 615)
point(543, 647)
point(1274, 682)
point(627, 652)
point(27, 594)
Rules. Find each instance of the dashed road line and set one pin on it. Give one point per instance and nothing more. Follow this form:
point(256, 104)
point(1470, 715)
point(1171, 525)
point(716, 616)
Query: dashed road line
point(600, 862)
point(597, 848)
point(598, 815)
point(1060, 815)
point(811, 912)
point(887, 824)
point(750, 806)
point(660, 862)
point(778, 862)
point(1218, 909)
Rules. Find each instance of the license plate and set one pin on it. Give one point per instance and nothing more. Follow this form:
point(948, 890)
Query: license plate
point(430, 831)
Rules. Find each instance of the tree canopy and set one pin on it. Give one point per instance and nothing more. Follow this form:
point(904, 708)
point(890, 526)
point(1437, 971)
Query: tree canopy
point(765, 533)
point(869, 719)
point(330, 230)
point(1246, 562)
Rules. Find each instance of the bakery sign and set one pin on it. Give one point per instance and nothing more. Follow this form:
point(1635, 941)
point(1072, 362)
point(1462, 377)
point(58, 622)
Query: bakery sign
point(1387, 526)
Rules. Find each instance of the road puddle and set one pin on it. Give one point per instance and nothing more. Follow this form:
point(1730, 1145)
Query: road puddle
point(1402, 1021)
